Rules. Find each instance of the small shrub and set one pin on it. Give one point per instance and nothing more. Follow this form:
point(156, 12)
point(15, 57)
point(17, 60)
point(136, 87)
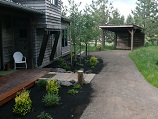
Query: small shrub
point(44, 115)
point(77, 86)
point(51, 99)
point(72, 91)
point(86, 61)
point(88, 71)
point(99, 47)
point(79, 64)
point(52, 87)
point(42, 83)
point(63, 64)
point(23, 103)
point(93, 61)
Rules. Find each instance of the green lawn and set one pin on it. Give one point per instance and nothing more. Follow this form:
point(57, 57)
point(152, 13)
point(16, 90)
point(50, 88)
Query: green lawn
point(92, 48)
point(146, 59)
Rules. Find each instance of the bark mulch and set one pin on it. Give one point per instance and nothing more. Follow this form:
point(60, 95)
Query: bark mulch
point(71, 107)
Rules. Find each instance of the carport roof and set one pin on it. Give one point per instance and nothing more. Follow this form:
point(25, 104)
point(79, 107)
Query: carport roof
point(121, 28)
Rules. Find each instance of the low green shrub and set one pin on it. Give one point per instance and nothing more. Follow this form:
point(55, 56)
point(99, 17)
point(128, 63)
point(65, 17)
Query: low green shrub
point(99, 47)
point(63, 64)
point(23, 103)
point(51, 99)
point(79, 64)
point(93, 61)
point(77, 86)
point(52, 87)
point(44, 115)
point(88, 71)
point(86, 61)
point(42, 83)
point(72, 91)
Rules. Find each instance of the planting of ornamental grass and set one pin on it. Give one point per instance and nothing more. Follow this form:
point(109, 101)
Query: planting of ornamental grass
point(146, 60)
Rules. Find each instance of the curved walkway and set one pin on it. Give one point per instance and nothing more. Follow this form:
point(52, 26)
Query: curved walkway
point(120, 91)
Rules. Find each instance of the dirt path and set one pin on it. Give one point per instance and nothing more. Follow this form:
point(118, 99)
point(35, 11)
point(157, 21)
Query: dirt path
point(120, 91)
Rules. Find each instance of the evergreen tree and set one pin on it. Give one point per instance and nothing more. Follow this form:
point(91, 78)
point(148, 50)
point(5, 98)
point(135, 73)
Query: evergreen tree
point(145, 16)
point(129, 19)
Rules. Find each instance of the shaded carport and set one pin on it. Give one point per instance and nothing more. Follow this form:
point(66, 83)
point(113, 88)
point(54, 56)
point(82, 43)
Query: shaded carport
point(130, 36)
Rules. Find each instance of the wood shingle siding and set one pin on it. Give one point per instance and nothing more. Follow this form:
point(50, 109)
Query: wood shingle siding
point(52, 13)
point(24, 24)
point(7, 40)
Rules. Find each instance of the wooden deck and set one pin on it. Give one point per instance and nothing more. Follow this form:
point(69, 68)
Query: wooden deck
point(11, 84)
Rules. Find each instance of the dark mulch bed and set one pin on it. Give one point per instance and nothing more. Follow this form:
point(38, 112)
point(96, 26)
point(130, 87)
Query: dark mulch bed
point(72, 106)
point(79, 63)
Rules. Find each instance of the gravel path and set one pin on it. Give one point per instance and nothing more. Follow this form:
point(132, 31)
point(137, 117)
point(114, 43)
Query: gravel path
point(120, 91)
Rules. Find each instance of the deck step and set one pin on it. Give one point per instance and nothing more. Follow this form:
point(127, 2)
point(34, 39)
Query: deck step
point(22, 79)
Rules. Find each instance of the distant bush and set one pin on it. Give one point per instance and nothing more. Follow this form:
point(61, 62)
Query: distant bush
point(93, 61)
point(23, 103)
point(99, 47)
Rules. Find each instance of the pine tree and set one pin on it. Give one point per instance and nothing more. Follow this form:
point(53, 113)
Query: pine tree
point(129, 19)
point(145, 16)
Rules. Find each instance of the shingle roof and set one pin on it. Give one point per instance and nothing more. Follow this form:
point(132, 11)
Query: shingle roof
point(10, 3)
point(117, 28)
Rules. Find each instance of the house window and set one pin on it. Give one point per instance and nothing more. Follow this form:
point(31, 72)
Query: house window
point(64, 38)
point(54, 2)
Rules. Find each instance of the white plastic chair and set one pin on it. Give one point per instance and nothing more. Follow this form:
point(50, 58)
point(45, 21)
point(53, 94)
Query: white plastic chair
point(19, 58)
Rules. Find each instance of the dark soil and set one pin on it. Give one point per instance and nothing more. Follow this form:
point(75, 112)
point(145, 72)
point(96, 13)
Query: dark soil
point(77, 64)
point(71, 107)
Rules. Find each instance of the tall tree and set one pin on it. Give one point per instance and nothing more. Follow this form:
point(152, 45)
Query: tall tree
point(64, 9)
point(130, 19)
point(101, 11)
point(74, 15)
point(145, 16)
point(116, 18)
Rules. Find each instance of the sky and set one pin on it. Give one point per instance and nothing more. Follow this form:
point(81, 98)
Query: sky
point(124, 6)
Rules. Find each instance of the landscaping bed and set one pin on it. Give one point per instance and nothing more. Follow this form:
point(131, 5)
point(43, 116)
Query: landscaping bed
point(71, 107)
point(77, 64)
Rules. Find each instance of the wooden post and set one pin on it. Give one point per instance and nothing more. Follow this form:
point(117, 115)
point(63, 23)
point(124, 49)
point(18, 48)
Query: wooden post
point(132, 37)
point(80, 77)
point(115, 42)
point(103, 39)
point(132, 40)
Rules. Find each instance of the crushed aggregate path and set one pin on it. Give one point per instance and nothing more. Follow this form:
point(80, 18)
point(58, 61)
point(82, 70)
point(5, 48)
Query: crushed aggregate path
point(120, 91)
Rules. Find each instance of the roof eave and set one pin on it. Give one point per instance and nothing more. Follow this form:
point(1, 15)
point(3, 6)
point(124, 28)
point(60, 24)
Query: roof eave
point(12, 4)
